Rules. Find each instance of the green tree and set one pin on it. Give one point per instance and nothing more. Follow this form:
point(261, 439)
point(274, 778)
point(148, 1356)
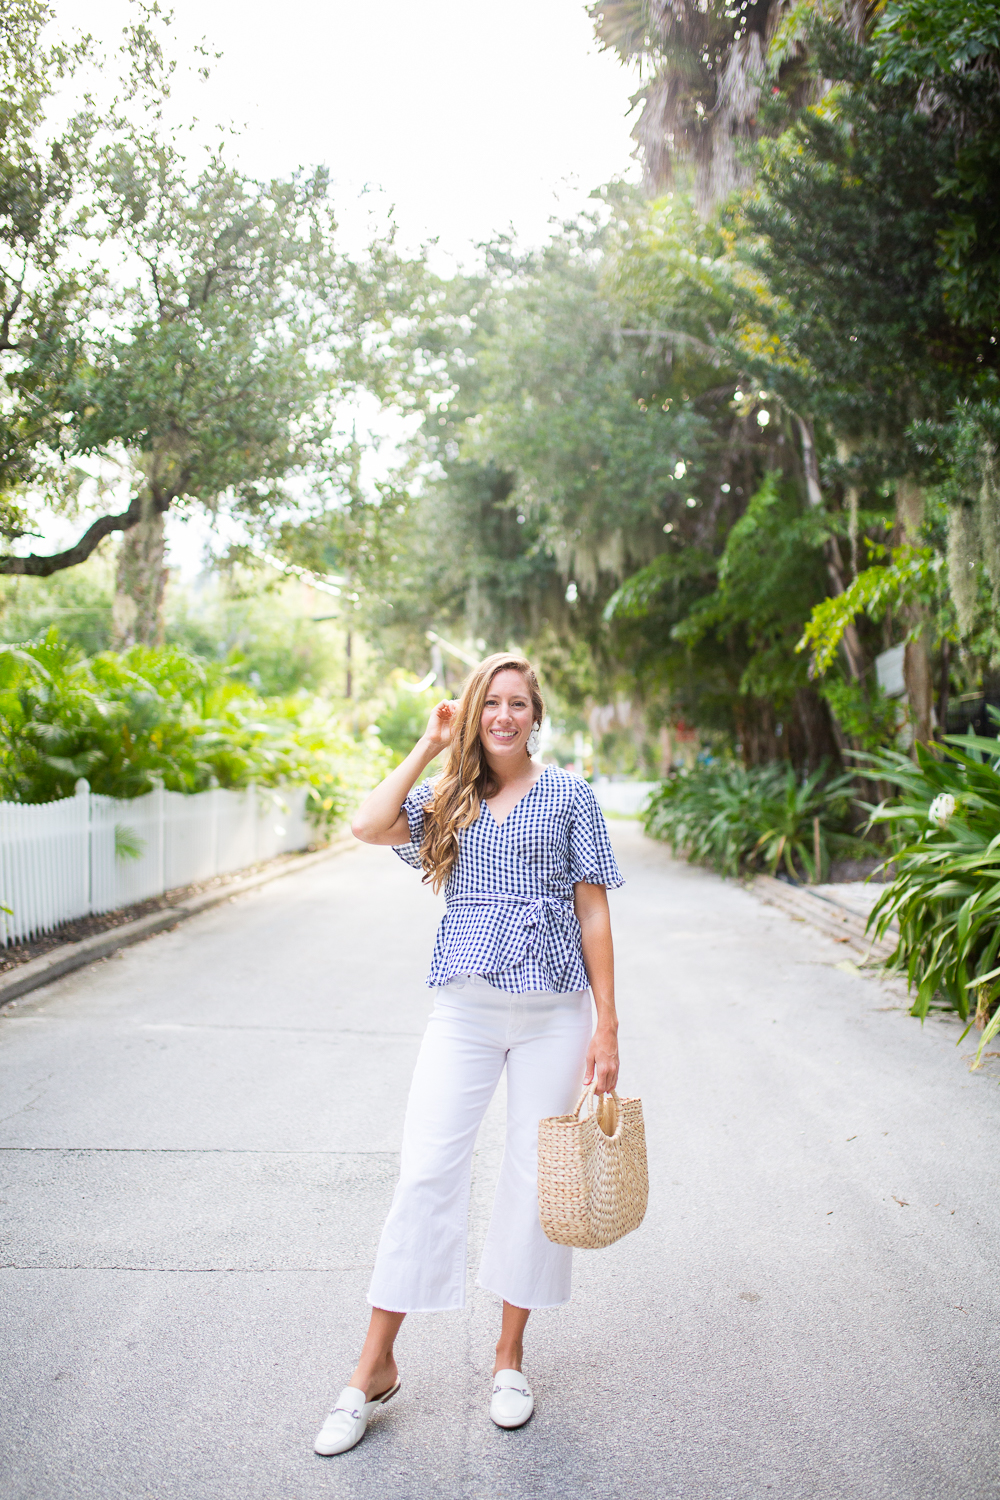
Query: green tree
point(847, 317)
point(227, 329)
point(567, 445)
point(721, 631)
point(212, 385)
point(951, 50)
point(47, 281)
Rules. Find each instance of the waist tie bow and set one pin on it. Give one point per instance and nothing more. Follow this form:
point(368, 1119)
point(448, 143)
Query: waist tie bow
point(548, 929)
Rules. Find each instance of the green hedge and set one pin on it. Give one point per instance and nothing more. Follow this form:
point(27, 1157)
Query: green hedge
point(126, 721)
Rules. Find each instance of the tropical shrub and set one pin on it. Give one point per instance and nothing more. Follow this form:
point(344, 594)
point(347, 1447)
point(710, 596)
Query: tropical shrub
point(945, 895)
point(127, 721)
point(730, 817)
point(873, 720)
point(403, 714)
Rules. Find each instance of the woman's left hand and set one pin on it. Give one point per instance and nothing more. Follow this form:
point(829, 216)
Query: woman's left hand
point(602, 1059)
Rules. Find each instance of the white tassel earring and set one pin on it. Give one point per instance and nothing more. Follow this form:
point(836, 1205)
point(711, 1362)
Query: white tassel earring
point(533, 739)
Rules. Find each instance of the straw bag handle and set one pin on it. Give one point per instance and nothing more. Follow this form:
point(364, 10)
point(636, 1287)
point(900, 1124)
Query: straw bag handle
point(589, 1093)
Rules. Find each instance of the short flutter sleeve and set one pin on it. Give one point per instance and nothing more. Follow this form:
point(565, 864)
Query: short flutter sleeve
point(590, 855)
point(414, 807)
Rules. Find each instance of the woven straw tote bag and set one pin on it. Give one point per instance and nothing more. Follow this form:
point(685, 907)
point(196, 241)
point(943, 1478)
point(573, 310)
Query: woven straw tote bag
point(592, 1177)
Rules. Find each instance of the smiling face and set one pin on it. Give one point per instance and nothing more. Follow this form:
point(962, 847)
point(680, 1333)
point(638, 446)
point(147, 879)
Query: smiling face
point(508, 717)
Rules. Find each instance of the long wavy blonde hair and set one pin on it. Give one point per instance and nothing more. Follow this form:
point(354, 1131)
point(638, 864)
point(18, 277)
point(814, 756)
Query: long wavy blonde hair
point(467, 780)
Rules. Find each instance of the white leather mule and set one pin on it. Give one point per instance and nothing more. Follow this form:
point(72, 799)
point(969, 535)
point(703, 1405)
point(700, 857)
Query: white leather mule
point(511, 1403)
point(346, 1424)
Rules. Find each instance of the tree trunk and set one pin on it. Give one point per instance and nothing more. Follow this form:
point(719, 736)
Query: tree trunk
point(812, 740)
point(761, 736)
point(140, 581)
point(919, 686)
point(942, 702)
point(850, 641)
point(916, 660)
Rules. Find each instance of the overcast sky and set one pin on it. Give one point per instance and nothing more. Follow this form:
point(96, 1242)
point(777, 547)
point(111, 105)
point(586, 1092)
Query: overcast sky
point(460, 118)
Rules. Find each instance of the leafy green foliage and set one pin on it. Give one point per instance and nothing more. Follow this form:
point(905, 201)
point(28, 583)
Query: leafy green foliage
point(952, 50)
point(201, 322)
point(842, 227)
point(77, 601)
point(871, 719)
point(720, 632)
point(264, 632)
point(732, 818)
point(945, 892)
point(770, 573)
point(210, 381)
point(128, 844)
point(912, 573)
point(848, 310)
point(266, 636)
point(403, 715)
point(963, 453)
point(922, 41)
point(126, 721)
point(47, 284)
point(573, 434)
point(827, 291)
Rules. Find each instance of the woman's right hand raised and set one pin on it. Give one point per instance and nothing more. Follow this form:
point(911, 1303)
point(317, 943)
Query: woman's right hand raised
point(439, 725)
point(380, 818)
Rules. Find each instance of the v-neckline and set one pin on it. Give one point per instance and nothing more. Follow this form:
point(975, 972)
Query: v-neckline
point(511, 811)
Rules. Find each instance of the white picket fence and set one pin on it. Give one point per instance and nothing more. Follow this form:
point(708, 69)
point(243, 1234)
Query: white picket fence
point(58, 860)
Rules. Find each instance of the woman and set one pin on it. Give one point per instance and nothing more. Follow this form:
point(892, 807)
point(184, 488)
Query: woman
point(523, 855)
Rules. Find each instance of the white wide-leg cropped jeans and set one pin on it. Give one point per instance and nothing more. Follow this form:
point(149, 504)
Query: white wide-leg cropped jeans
point(474, 1031)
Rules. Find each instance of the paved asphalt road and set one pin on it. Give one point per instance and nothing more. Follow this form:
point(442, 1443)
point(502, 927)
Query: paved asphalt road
point(199, 1144)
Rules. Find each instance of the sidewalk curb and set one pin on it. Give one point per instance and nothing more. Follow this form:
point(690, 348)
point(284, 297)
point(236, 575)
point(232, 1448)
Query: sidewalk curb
point(836, 921)
point(63, 960)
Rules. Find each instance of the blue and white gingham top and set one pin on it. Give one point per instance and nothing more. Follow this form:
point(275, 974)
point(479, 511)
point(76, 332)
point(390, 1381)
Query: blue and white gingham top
point(510, 911)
